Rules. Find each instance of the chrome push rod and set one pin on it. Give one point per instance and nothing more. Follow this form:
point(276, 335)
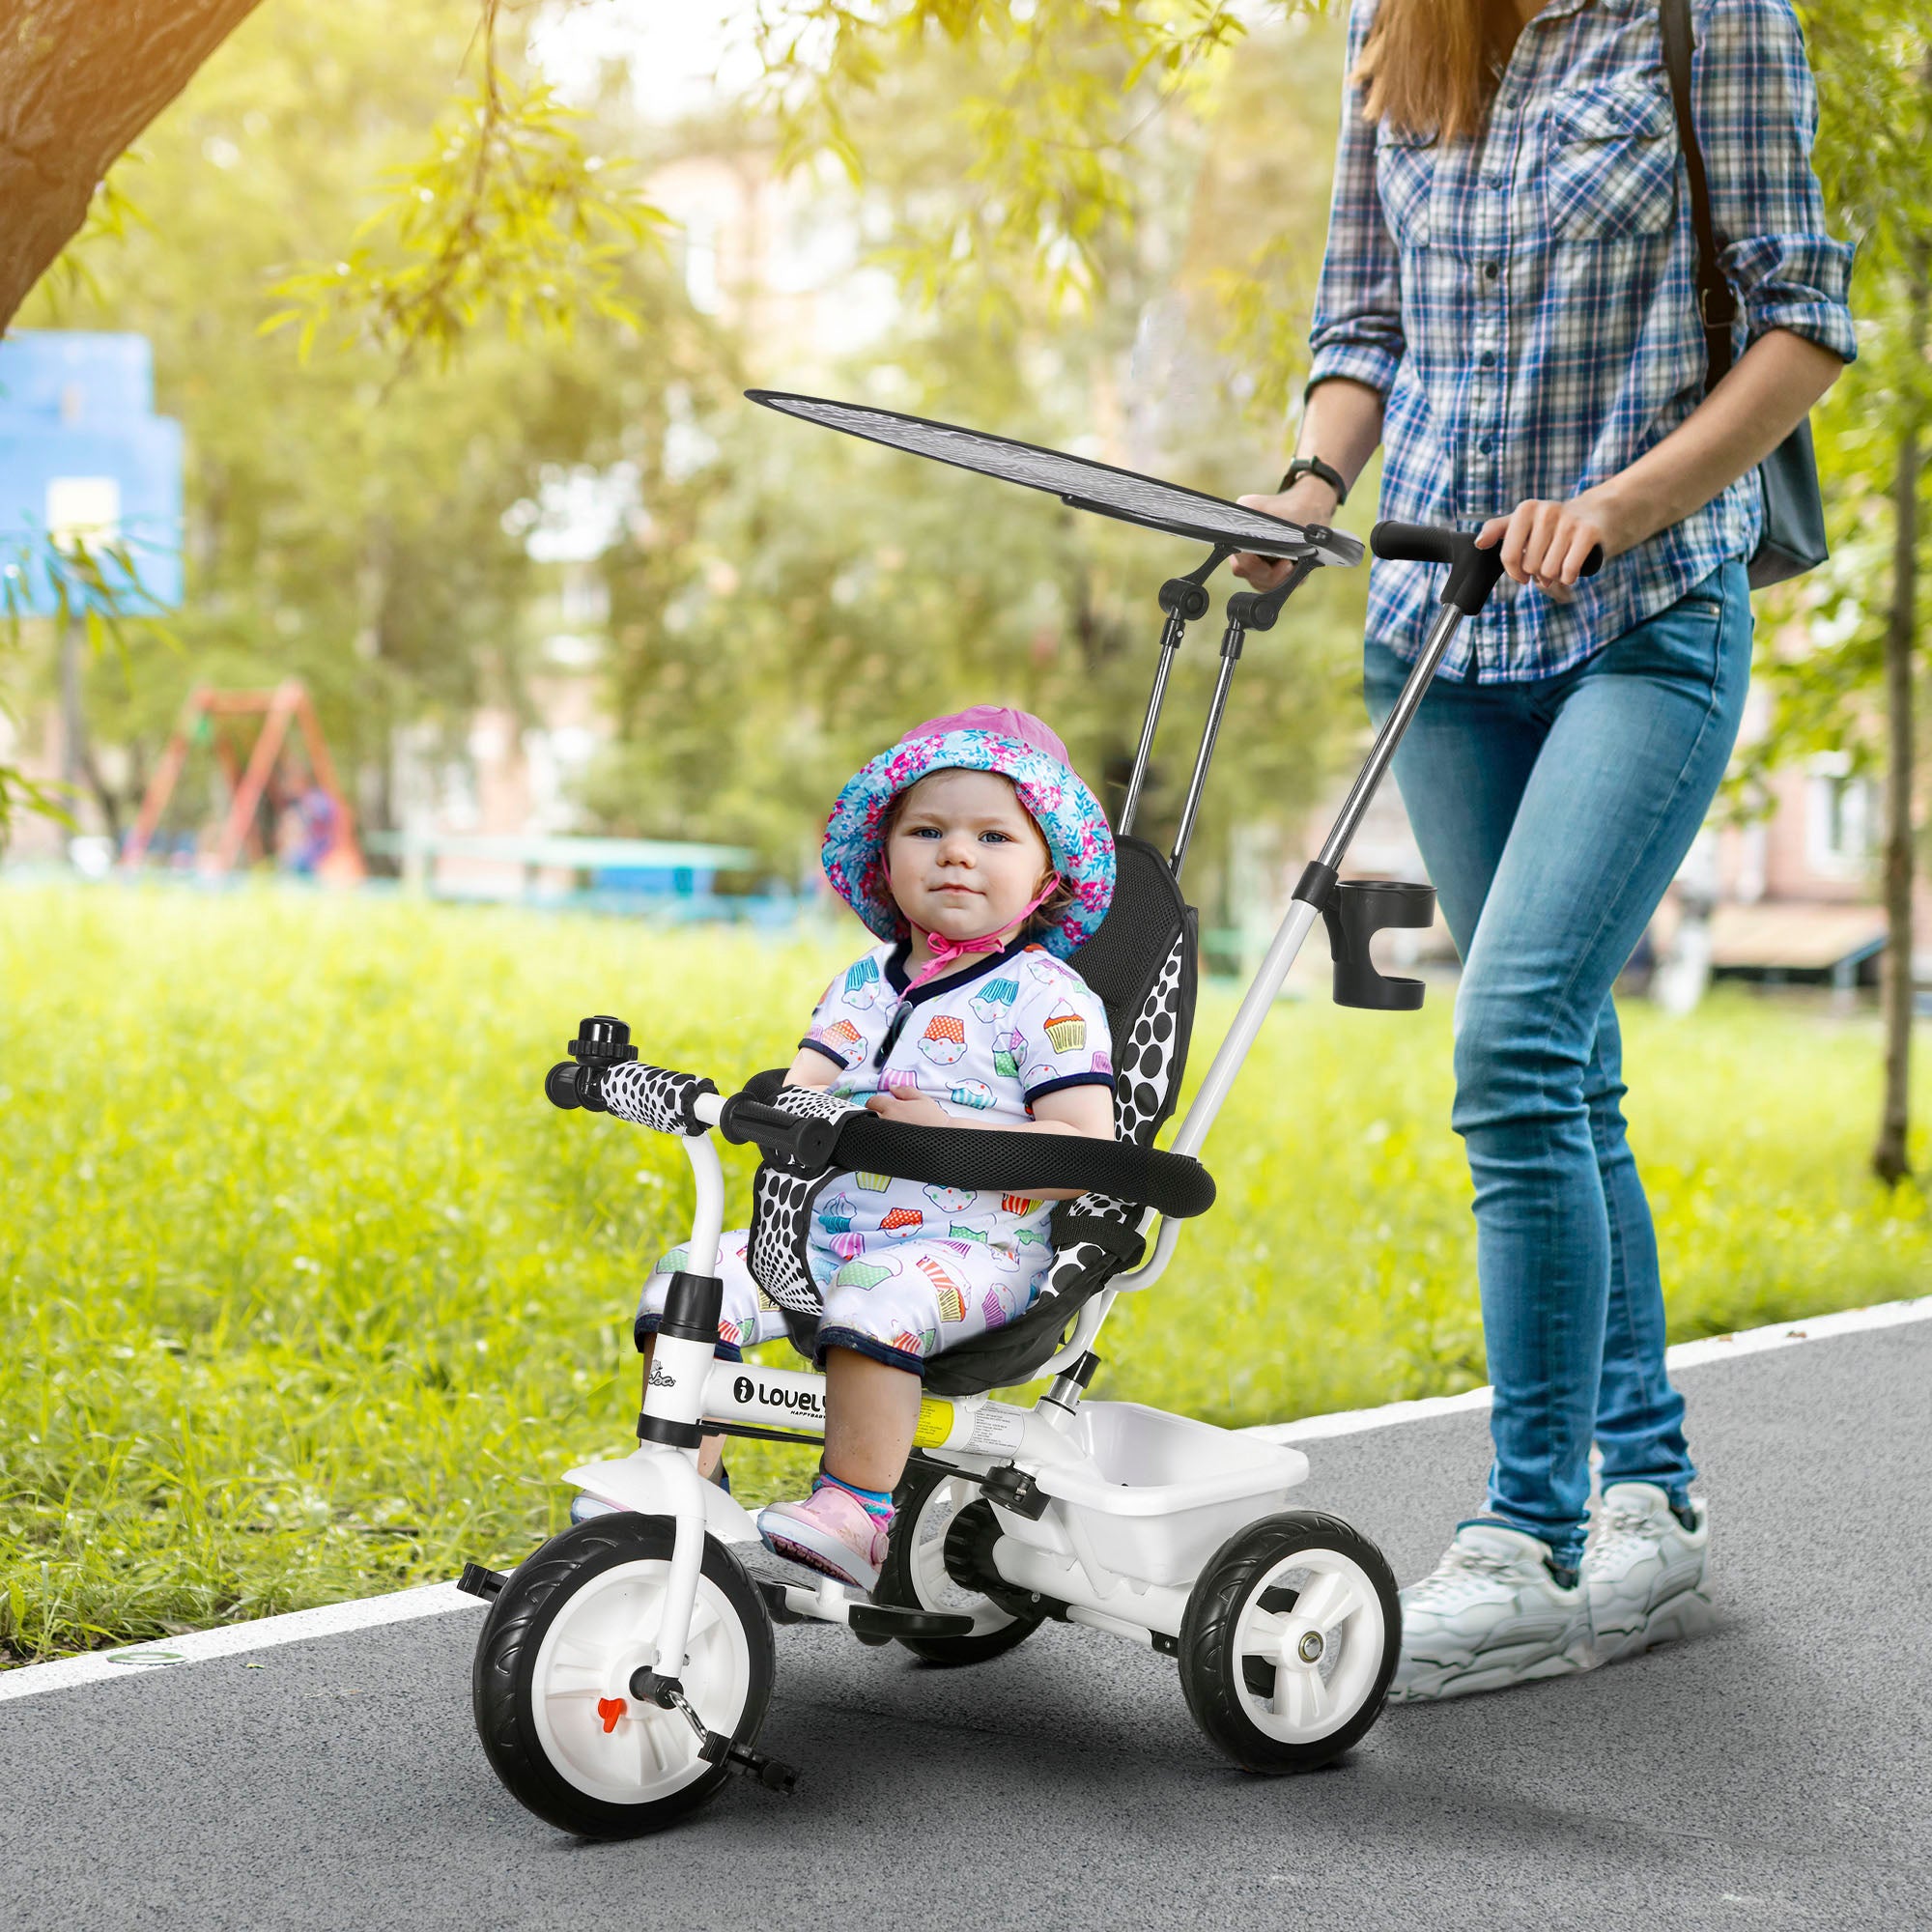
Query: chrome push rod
point(1247, 610)
point(1183, 599)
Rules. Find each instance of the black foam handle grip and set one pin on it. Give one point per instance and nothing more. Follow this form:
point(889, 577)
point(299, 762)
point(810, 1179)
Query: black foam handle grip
point(793, 1139)
point(1472, 573)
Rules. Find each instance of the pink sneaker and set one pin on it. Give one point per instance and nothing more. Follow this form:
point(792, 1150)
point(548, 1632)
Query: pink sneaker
point(830, 1531)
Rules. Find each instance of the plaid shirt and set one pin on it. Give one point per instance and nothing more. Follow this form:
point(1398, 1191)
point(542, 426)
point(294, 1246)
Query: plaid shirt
point(1524, 302)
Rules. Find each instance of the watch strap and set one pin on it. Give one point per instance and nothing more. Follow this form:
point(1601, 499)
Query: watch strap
point(1312, 466)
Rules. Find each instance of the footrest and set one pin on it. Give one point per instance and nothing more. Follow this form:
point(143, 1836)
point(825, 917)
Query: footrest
point(876, 1623)
point(870, 1622)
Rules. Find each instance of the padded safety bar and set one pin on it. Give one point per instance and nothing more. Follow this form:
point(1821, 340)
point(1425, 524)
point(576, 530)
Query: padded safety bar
point(1176, 1185)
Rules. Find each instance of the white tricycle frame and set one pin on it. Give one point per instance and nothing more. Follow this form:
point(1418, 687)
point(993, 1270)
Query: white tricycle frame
point(644, 1688)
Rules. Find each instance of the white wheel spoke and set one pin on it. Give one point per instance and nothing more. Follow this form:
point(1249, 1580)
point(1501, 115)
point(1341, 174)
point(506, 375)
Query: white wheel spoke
point(1327, 1601)
point(1262, 1632)
point(1300, 1697)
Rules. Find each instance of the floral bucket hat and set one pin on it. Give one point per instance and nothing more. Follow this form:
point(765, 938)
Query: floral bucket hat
point(985, 738)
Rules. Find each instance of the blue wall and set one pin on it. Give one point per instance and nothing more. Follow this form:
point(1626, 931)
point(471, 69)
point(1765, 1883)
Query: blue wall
point(74, 404)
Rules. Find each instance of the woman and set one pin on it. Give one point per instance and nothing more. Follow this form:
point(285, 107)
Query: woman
point(1507, 305)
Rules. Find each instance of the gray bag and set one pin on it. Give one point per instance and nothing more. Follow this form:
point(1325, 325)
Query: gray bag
point(1793, 536)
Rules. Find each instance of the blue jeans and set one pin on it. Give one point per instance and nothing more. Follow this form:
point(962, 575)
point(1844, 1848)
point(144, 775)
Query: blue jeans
point(1551, 815)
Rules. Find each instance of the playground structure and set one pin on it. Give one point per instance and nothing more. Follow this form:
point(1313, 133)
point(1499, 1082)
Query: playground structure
point(269, 774)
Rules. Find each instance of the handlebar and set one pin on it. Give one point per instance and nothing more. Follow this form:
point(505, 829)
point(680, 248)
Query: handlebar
point(1472, 573)
point(605, 1076)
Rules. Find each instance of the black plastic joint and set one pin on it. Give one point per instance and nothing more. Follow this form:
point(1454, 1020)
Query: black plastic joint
point(1013, 1489)
point(670, 1434)
point(693, 1304)
point(649, 1687)
point(1316, 886)
point(1082, 1371)
point(1184, 600)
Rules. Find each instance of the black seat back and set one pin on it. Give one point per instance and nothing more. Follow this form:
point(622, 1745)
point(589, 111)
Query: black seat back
point(1142, 963)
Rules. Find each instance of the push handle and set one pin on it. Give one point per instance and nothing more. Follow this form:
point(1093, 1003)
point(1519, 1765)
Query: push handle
point(1472, 573)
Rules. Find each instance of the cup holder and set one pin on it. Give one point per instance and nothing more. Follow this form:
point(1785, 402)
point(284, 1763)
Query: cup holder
point(1356, 911)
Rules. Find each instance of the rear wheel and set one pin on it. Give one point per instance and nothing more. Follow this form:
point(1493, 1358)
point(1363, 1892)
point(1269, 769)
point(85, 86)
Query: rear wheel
point(1289, 1640)
point(938, 1510)
point(551, 1686)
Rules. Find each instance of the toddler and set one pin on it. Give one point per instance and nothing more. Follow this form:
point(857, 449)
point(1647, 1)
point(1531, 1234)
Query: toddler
point(980, 859)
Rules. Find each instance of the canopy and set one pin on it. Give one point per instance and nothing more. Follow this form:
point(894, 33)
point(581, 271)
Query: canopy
point(1075, 480)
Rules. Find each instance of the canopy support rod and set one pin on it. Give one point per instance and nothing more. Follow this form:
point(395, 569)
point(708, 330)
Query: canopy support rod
point(1182, 598)
point(1247, 610)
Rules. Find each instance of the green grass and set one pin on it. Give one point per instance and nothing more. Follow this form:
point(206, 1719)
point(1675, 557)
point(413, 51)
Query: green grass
point(308, 1294)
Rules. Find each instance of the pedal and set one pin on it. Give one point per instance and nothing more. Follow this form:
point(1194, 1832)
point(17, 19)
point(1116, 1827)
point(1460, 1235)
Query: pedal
point(773, 1772)
point(477, 1581)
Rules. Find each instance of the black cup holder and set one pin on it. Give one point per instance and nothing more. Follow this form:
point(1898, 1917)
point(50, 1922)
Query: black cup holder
point(1356, 911)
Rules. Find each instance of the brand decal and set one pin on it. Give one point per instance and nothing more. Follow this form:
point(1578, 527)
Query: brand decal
point(804, 1401)
point(661, 1380)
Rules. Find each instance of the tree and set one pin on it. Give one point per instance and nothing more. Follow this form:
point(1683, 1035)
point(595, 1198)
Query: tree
point(1875, 156)
point(345, 523)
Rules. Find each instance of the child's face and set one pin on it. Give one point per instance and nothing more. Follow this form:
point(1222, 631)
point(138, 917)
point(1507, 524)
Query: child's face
point(965, 856)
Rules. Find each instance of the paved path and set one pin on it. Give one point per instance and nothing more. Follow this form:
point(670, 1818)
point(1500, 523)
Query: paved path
point(1776, 1773)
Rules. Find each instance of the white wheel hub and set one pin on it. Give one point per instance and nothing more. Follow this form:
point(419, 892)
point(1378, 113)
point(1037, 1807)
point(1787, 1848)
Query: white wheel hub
point(600, 1738)
point(1323, 1651)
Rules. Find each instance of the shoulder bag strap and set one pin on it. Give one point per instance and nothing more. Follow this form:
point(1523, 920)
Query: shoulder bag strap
point(1717, 302)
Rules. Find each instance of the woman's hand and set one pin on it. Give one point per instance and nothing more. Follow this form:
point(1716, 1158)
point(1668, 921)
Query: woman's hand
point(1310, 502)
point(1545, 544)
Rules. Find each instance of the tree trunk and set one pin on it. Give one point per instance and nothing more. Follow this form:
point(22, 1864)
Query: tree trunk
point(1890, 1157)
point(79, 81)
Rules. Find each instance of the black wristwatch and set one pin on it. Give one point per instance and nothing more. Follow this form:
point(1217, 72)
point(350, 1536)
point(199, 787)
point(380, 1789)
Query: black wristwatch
point(1312, 466)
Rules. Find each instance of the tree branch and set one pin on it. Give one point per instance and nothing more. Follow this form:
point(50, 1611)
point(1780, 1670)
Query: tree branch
point(79, 81)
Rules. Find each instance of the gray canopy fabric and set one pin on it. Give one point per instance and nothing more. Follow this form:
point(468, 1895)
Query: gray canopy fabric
point(1076, 480)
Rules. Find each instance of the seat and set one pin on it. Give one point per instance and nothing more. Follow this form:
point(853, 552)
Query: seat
point(1142, 963)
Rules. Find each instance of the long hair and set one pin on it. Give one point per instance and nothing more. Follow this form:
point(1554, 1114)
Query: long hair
point(1430, 67)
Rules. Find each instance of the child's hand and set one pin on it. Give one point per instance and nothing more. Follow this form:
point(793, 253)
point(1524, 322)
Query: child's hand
point(919, 1113)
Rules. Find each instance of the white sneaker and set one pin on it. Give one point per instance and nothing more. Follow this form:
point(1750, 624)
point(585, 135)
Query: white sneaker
point(1488, 1615)
point(1643, 1572)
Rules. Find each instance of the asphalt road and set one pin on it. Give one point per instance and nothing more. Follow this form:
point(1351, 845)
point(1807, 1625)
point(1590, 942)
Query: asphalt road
point(1775, 1773)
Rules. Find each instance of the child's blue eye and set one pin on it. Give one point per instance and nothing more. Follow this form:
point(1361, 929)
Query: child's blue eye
point(998, 838)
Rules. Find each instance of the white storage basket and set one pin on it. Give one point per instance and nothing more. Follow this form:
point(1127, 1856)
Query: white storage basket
point(1156, 1494)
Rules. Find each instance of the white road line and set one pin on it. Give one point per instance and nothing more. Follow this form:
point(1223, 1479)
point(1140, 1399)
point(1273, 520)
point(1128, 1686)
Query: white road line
point(437, 1599)
point(1683, 1355)
point(232, 1639)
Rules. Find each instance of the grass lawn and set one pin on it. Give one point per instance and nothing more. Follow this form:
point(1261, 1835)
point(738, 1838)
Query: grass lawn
point(307, 1293)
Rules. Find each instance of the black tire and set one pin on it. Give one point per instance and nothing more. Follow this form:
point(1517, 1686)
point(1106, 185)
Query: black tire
point(932, 1509)
point(1226, 1690)
point(507, 1652)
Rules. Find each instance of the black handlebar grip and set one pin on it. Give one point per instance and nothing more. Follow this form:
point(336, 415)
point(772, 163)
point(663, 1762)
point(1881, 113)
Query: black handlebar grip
point(1472, 573)
point(796, 1140)
point(561, 1088)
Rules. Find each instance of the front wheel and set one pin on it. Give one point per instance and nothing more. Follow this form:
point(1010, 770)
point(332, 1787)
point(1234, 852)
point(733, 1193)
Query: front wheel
point(1291, 1637)
point(551, 1686)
